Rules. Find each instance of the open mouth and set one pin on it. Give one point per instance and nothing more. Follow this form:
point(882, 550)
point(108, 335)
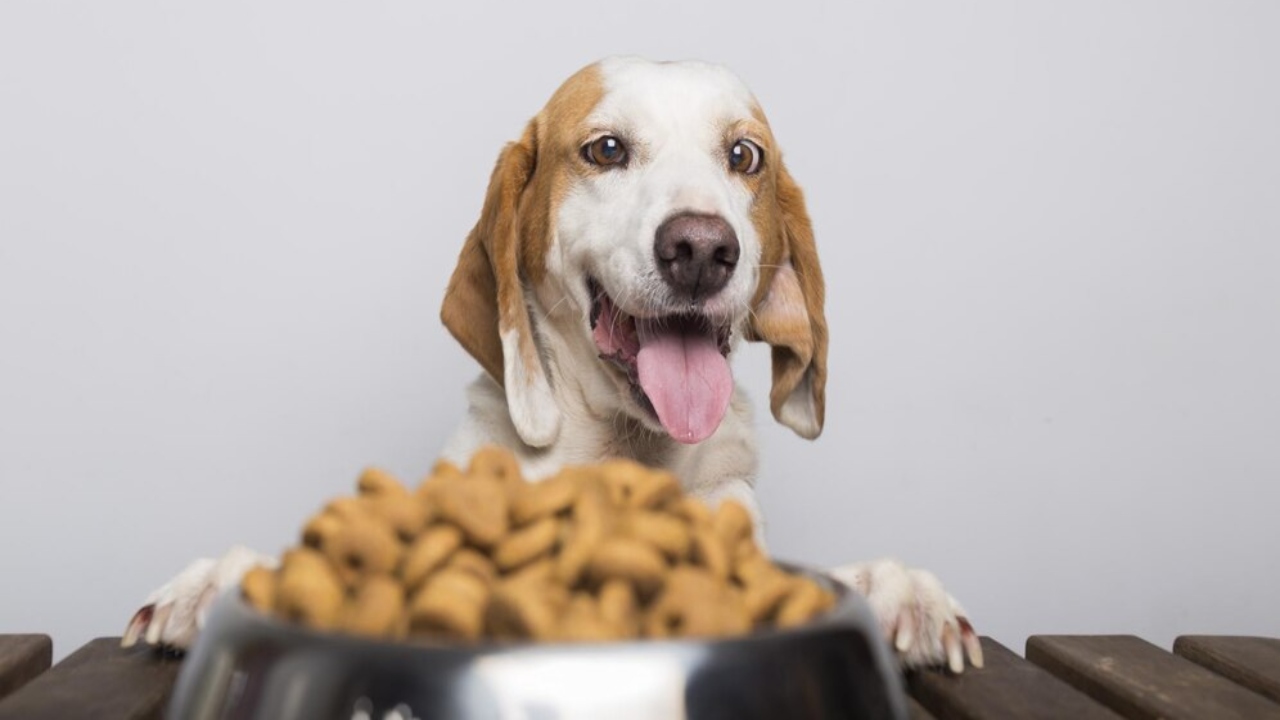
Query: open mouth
point(677, 364)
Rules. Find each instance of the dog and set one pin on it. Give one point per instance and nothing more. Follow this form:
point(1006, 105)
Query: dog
point(642, 227)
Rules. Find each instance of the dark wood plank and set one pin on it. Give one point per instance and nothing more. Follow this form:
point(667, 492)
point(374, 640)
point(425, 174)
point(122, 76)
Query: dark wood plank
point(1139, 680)
point(1006, 687)
point(22, 657)
point(100, 681)
point(915, 711)
point(1253, 662)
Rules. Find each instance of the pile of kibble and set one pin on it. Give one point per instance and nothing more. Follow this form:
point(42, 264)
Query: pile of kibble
point(596, 553)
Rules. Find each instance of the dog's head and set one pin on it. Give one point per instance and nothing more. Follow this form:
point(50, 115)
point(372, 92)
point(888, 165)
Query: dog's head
point(646, 214)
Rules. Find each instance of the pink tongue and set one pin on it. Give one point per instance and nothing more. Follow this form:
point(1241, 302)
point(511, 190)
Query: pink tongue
point(686, 378)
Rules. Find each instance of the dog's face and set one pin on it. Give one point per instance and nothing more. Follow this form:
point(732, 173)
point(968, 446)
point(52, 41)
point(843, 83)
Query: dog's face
point(648, 211)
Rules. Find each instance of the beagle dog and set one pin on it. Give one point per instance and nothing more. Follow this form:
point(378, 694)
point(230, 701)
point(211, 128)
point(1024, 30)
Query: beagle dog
point(642, 227)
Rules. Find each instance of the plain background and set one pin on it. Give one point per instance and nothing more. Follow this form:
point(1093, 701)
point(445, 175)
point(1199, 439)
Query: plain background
point(1051, 233)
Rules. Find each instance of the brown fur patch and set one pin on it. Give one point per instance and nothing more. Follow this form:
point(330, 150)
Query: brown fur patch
point(559, 130)
point(795, 327)
point(509, 242)
point(765, 213)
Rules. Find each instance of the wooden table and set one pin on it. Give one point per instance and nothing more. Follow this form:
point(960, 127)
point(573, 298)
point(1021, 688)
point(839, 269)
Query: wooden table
point(1063, 676)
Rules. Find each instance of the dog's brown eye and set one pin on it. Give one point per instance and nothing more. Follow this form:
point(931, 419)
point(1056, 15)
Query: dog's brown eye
point(745, 157)
point(605, 151)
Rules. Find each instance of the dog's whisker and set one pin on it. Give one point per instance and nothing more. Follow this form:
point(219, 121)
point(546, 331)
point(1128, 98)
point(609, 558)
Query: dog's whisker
point(551, 310)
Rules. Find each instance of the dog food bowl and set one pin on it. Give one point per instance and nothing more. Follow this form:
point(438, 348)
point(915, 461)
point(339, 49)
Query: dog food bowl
point(246, 665)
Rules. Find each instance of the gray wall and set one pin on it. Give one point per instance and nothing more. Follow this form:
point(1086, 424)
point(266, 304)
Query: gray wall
point(1052, 235)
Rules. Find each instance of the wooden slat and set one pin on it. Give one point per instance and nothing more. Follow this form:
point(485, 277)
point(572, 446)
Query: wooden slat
point(916, 711)
point(22, 657)
point(1253, 662)
point(1006, 687)
point(1139, 680)
point(100, 681)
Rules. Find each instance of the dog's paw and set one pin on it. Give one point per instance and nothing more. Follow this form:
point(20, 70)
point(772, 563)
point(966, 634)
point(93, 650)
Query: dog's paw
point(925, 625)
point(173, 615)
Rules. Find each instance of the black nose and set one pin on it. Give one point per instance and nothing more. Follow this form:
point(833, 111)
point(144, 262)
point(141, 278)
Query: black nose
point(696, 254)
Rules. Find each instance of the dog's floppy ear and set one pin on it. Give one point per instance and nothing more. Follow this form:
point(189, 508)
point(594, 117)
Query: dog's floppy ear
point(789, 314)
point(484, 307)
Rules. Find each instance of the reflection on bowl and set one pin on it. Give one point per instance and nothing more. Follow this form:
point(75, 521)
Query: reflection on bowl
point(248, 665)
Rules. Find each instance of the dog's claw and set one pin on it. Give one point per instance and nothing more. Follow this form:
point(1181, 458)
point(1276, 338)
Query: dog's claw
point(955, 653)
point(159, 618)
point(137, 626)
point(972, 644)
point(906, 633)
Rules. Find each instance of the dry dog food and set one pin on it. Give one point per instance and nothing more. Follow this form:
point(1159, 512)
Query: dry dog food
point(599, 553)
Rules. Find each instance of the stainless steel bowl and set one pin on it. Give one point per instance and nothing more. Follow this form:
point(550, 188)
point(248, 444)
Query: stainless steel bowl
point(247, 665)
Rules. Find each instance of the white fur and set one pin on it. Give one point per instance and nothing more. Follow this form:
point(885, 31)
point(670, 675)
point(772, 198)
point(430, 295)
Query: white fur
point(530, 402)
point(674, 119)
point(798, 412)
point(576, 409)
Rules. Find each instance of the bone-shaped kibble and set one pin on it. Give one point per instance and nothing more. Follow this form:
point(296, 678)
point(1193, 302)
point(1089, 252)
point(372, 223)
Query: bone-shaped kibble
point(594, 554)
